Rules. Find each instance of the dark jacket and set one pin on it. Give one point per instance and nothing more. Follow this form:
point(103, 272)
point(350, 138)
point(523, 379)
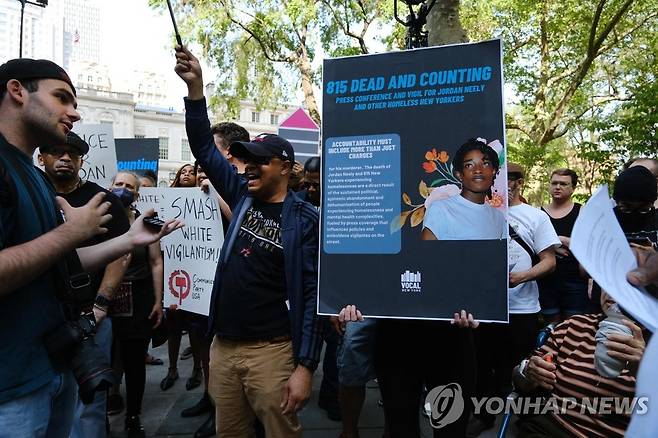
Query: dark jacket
point(299, 235)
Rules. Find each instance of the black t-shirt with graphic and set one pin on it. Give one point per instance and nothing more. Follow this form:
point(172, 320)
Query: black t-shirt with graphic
point(252, 305)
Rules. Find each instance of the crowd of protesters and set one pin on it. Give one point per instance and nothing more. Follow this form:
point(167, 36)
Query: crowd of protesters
point(77, 255)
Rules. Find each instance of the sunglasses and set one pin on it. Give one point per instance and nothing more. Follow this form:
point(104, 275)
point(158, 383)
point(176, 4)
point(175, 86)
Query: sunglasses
point(58, 153)
point(629, 209)
point(259, 161)
point(308, 185)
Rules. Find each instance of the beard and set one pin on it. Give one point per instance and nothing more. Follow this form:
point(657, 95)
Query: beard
point(63, 176)
point(41, 125)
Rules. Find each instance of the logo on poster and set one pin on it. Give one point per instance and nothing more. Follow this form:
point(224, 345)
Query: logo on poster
point(180, 285)
point(410, 282)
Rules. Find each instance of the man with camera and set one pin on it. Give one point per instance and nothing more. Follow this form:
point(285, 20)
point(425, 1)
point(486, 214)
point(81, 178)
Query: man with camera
point(62, 164)
point(42, 339)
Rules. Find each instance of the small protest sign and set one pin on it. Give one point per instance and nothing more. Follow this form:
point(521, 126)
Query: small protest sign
point(191, 253)
point(100, 163)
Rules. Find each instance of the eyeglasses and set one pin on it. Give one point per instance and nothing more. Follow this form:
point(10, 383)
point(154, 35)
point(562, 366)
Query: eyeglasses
point(630, 209)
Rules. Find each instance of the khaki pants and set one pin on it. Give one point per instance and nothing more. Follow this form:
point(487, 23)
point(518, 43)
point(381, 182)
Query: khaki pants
point(247, 380)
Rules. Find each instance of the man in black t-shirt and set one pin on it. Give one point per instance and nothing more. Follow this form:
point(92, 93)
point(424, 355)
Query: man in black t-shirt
point(563, 293)
point(261, 365)
point(62, 165)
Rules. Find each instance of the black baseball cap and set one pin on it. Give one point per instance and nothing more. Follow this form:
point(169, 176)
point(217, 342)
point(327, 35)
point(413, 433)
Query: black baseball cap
point(26, 68)
point(635, 184)
point(73, 140)
point(265, 146)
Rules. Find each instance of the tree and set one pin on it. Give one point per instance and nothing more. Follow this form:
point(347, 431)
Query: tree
point(576, 69)
point(264, 48)
point(444, 24)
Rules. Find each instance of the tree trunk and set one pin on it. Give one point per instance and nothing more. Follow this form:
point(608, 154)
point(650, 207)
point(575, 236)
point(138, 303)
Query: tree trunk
point(306, 73)
point(444, 25)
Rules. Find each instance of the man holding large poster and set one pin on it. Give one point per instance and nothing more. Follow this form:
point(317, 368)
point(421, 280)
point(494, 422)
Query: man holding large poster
point(269, 257)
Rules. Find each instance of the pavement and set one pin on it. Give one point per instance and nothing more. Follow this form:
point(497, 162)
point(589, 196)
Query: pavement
point(161, 409)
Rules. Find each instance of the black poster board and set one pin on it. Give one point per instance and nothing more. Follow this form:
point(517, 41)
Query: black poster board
point(391, 125)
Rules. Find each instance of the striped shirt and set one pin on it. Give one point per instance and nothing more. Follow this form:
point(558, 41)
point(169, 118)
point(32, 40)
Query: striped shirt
point(572, 345)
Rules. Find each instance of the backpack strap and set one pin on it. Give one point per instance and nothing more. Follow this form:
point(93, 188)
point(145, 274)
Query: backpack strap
point(518, 239)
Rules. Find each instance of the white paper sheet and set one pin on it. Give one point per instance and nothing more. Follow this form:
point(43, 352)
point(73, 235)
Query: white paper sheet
point(599, 244)
point(645, 424)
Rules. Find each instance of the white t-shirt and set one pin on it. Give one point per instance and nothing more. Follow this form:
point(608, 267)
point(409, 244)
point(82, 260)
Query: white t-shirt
point(536, 230)
point(457, 218)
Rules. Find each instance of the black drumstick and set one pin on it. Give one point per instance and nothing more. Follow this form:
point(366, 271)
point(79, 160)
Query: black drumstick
point(173, 20)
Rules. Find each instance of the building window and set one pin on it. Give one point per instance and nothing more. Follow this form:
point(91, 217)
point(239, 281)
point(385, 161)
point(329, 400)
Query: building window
point(90, 78)
point(255, 117)
point(107, 122)
point(140, 136)
point(163, 153)
point(274, 119)
point(185, 154)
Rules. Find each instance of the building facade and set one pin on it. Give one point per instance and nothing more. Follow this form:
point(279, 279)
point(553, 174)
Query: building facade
point(130, 119)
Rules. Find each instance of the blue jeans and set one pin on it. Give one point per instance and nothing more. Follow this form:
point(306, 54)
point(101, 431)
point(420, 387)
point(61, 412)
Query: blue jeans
point(46, 412)
point(90, 419)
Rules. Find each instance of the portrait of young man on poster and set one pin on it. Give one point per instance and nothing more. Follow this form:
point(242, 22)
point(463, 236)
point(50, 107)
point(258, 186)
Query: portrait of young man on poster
point(468, 216)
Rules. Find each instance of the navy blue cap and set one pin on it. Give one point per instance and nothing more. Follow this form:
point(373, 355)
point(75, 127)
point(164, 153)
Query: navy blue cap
point(264, 145)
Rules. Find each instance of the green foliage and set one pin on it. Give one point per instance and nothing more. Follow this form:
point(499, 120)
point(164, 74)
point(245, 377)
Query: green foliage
point(582, 76)
point(265, 50)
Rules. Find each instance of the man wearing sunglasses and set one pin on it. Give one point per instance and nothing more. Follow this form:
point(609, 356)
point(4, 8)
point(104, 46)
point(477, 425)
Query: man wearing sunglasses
point(266, 333)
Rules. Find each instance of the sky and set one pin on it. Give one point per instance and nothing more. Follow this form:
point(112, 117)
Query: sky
point(135, 36)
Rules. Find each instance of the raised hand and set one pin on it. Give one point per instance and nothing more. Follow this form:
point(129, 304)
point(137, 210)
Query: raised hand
point(189, 70)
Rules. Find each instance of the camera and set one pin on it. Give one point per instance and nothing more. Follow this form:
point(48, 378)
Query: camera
point(73, 341)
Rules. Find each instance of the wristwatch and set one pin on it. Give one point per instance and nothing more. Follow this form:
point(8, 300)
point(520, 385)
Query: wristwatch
point(102, 301)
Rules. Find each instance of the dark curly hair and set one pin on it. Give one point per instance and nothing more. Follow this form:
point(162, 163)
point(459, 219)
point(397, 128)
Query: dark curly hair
point(474, 145)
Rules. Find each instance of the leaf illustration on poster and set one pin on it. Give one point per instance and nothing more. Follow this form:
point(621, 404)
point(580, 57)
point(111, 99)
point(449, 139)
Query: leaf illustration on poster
point(392, 124)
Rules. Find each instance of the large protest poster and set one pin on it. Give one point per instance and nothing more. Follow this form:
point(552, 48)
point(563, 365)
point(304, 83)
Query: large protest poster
point(100, 164)
point(392, 124)
point(191, 253)
point(137, 154)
